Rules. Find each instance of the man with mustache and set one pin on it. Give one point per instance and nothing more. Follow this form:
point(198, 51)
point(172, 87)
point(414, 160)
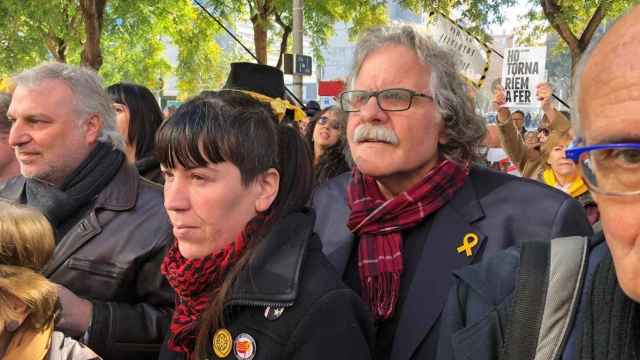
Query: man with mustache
point(111, 228)
point(416, 207)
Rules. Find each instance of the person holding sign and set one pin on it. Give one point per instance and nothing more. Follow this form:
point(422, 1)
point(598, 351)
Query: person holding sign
point(523, 70)
point(584, 293)
point(529, 160)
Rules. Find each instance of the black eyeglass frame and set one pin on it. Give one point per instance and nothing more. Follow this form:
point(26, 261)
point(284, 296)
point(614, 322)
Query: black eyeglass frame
point(376, 94)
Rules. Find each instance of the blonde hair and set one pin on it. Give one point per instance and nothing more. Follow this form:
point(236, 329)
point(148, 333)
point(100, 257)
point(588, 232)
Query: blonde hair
point(26, 244)
point(555, 139)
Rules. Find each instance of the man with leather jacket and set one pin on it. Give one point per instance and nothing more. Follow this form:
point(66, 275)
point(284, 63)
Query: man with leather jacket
point(111, 229)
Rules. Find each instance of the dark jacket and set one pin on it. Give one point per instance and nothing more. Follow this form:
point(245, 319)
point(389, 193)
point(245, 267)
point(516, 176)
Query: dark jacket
point(112, 257)
point(502, 210)
point(479, 306)
point(322, 317)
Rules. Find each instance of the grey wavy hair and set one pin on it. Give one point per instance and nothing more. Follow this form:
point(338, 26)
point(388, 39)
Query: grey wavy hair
point(5, 101)
point(89, 95)
point(464, 128)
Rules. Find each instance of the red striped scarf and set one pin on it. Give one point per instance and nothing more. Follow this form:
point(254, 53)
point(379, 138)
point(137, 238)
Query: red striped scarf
point(379, 223)
point(193, 280)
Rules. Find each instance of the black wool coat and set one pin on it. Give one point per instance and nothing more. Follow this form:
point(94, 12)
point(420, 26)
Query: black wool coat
point(500, 209)
point(321, 318)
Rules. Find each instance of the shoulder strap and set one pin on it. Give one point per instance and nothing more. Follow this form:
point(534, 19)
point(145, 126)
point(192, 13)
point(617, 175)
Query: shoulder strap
point(567, 268)
point(547, 292)
point(521, 336)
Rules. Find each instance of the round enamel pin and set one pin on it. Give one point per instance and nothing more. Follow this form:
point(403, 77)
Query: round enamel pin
point(244, 347)
point(222, 342)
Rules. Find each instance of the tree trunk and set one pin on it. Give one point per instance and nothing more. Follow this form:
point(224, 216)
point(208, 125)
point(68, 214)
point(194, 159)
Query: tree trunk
point(260, 20)
point(92, 13)
point(576, 55)
point(577, 47)
point(260, 39)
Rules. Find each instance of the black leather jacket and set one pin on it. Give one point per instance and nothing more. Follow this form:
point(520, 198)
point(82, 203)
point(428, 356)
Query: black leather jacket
point(321, 317)
point(112, 257)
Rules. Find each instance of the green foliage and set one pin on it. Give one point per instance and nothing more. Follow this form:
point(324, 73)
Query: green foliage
point(576, 23)
point(199, 57)
point(474, 15)
point(576, 14)
point(134, 38)
point(320, 17)
point(25, 26)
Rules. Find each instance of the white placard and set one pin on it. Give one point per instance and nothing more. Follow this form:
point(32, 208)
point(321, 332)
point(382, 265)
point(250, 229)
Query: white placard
point(472, 55)
point(523, 69)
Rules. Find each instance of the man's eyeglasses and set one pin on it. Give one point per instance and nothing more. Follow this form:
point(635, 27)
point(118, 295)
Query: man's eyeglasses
point(387, 99)
point(323, 120)
point(610, 169)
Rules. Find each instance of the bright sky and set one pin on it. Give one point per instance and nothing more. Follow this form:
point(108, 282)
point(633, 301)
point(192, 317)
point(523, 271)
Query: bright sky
point(512, 18)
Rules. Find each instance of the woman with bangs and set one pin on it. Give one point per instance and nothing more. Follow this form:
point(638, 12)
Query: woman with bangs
point(138, 116)
point(326, 136)
point(248, 270)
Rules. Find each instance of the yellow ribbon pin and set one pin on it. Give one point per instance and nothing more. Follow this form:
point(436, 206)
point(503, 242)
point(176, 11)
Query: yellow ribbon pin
point(468, 245)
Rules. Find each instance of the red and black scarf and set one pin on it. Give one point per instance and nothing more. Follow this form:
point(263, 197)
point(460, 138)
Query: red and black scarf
point(193, 281)
point(379, 224)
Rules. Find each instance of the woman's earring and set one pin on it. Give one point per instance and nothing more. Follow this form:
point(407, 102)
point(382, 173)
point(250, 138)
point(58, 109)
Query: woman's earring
point(12, 325)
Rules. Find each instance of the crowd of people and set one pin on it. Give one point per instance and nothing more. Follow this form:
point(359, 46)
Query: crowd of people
point(239, 226)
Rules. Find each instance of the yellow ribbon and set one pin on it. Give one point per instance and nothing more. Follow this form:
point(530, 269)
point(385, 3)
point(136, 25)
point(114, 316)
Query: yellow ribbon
point(279, 106)
point(468, 245)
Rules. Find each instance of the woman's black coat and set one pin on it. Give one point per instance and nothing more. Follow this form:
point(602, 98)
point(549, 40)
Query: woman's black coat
point(322, 317)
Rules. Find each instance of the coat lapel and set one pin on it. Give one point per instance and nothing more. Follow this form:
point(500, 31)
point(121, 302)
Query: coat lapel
point(431, 282)
point(79, 235)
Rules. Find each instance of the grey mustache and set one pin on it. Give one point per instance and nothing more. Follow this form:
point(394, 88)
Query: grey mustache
point(369, 132)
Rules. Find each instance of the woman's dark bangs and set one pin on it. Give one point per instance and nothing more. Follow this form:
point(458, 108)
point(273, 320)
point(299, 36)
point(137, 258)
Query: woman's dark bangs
point(183, 140)
point(116, 92)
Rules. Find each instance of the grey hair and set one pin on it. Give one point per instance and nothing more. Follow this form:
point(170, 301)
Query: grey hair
point(464, 128)
point(89, 95)
point(5, 101)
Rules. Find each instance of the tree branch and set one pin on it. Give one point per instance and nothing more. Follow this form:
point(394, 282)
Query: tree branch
point(552, 11)
point(57, 47)
point(250, 2)
point(594, 22)
point(286, 31)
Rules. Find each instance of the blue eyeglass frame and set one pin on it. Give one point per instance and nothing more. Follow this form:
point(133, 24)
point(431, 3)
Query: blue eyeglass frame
point(574, 153)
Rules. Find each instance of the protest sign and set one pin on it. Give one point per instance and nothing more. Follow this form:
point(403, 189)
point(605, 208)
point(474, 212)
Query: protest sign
point(472, 55)
point(522, 70)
